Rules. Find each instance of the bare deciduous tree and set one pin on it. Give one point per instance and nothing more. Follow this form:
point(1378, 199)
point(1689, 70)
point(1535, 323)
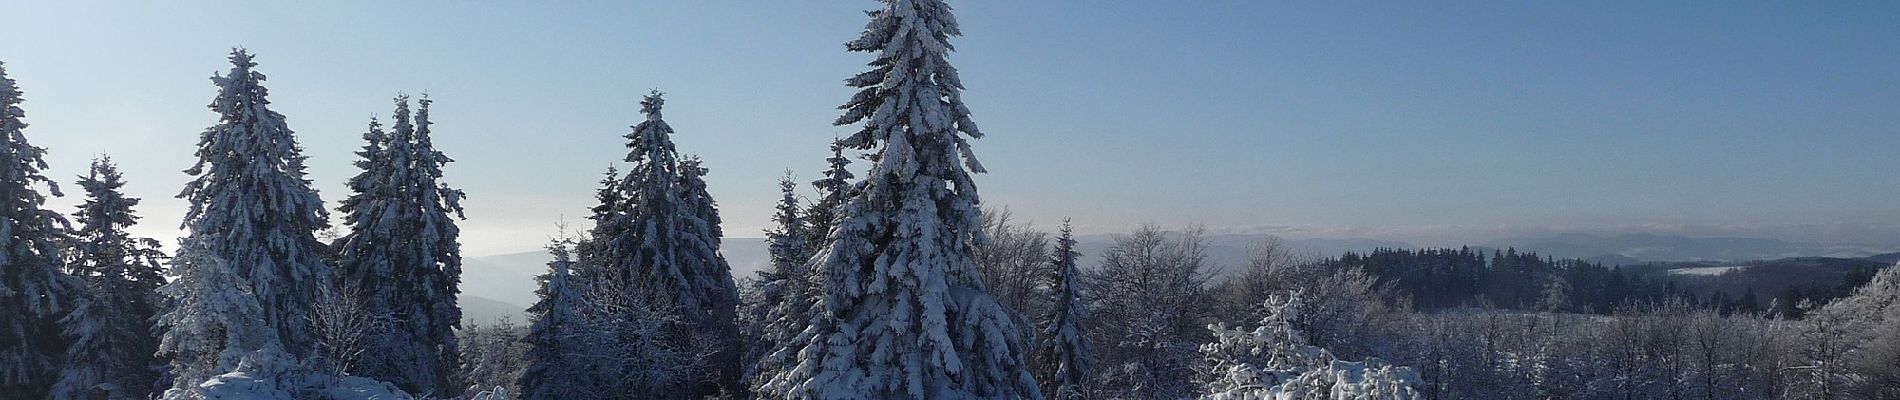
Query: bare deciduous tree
point(343, 327)
point(1150, 303)
point(1014, 264)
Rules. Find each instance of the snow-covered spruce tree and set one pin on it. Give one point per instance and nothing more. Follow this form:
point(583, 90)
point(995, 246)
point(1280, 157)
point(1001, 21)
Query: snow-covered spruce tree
point(1064, 352)
point(211, 321)
point(908, 317)
point(554, 370)
point(400, 257)
point(366, 275)
point(658, 239)
point(783, 290)
point(35, 296)
point(647, 199)
point(832, 192)
point(591, 256)
point(786, 241)
point(87, 364)
point(250, 268)
point(1274, 361)
point(438, 251)
point(124, 273)
point(711, 276)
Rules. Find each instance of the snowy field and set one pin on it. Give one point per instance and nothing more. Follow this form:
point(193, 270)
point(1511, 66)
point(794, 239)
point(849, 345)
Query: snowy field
point(1706, 271)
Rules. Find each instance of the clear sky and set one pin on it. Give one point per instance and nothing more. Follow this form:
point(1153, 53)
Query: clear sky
point(1434, 122)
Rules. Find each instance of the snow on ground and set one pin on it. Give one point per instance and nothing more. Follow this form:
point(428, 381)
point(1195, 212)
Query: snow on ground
point(1705, 271)
point(244, 386)
point(359, 388)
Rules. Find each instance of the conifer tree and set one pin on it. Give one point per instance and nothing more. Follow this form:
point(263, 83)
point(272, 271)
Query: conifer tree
point(87, 368)
point(400, 256)
point(35, 296)
point(593, 256)
point(786, 242)
point(649, 202)
point(439, 250)
point(250, 268)
point(785, 289)
point(661, 243)
point(553, 371)
point(832, 191)
point(366, 270)
point(711, 276)
point(123, 273)
point(905, 313)
point(1065, 352)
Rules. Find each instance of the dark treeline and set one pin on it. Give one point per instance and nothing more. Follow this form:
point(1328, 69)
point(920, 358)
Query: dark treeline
point(1445, 278)
point(1436, 279)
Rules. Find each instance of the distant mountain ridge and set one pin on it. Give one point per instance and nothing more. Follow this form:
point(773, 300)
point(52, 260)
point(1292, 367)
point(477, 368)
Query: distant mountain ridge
point(1633, 248)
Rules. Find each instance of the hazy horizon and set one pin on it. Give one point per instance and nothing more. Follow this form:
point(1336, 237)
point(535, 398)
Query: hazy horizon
point(1432, 124)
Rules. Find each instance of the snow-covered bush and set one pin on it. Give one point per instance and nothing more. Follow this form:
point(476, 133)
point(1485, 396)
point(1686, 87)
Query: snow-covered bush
point(1275, 362)
point(1849, 346)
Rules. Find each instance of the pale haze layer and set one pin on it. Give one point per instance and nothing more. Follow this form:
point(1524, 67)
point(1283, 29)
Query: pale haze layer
point(1437, 124)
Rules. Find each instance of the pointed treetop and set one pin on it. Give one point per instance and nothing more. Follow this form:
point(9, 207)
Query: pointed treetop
point(375, 136)
point(837, 175)
point(242, 58)
point(241, 63)
point(106, 174)
point(10, 100)
point(402, 106)
point(786, 183)
point(422, 126)
point(29, 158)
point(8, 90)
point(1068, 231)
point(102, 165)
point(651, 105)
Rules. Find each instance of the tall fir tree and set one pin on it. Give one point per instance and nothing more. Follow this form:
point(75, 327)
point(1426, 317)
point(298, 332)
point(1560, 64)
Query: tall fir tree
point(833, 190)
point(400, 258)
point(554, 372)
point(643, 225)
point(709, 273)
point(785, 290)
point(593, 256)
point(366, 270)
point(786, 240)
point(439, 251)
point(1064, 352)
point(124, 273)
point(250, 268)
point(906, 314)
point(662, 241)
point(36, 297)
point(710, 277)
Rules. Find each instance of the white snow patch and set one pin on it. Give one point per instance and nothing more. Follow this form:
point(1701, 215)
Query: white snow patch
point(360, 388)
point(1706, 271)
point(247, 386)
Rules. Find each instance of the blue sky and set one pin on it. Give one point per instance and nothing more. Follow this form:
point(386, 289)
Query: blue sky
point(1436, 123)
